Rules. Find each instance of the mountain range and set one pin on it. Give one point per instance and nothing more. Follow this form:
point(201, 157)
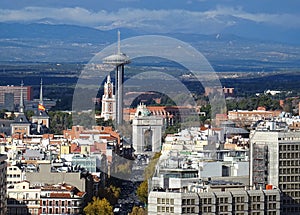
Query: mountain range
point(44, 42)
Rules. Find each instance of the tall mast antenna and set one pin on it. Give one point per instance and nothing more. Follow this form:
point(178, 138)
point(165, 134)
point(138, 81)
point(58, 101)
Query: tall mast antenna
point(119, 43)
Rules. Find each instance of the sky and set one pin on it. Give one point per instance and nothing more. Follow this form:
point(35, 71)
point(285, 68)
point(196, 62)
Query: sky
point(161, 16)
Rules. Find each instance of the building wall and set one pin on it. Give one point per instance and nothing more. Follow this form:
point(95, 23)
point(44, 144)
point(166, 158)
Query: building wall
point(173, 203)
point(23, 199)
point(239, 202)
point(14, 175)
point(280, 165)
point(3, 186)
point(45, 176)
point(142, 124)
point(16, 90)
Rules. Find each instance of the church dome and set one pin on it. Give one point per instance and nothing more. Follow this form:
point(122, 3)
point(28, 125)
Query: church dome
point(142, 111)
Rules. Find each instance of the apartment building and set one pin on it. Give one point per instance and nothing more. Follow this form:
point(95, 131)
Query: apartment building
point(22, 198)
point(238, 202)
point(14, 175)
point(62, 199)
point(274, 161)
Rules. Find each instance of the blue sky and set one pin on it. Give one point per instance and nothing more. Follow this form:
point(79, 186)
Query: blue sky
point(161, 16)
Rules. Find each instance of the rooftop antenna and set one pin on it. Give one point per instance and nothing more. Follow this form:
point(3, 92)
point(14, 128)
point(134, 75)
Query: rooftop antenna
point(119, 42)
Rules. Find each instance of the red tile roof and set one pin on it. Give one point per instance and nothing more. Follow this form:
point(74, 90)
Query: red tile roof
point(60, 195)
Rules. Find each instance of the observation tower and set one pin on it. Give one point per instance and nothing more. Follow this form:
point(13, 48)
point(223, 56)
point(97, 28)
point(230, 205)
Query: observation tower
point(118, 60)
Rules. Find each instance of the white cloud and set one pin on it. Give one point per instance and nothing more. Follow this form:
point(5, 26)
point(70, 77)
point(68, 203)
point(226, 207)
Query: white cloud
point(210, 21)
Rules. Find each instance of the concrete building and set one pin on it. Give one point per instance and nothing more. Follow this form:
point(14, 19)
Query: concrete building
point(84, 182)
point(274, 161)
point(173, 203)
point(16, 91)
point(9, 103)
point(238, 202)
point(3, 185)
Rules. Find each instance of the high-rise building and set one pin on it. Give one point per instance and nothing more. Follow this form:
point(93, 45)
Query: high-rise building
point(16, 91)
point(108, 101)
point(275, 162)
point(3, 185)
point(9, 101)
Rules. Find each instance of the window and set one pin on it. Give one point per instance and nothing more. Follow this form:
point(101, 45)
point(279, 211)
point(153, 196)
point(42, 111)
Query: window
point(188, 201)
point(172, 201)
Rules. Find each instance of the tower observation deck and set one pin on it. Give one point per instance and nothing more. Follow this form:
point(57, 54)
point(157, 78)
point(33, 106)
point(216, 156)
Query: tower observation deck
point(118, 60)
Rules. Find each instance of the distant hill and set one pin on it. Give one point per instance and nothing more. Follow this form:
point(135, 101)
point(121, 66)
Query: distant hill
point(67, 33)
point(43, 42)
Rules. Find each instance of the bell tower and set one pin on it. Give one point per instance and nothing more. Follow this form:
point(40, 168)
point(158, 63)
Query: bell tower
point(108, 101)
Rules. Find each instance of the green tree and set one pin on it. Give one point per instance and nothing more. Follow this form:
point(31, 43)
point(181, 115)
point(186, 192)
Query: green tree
point(138, 211)
point(59, 121)
point(142, 192)
point(29, 113)
point(2, 113)
point(111, 194)
point(98, 207)
point(149, 170)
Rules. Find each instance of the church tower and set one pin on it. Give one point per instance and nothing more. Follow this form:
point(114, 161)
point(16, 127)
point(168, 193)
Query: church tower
point(41, 117)
point(21, 125)
point(108, 101)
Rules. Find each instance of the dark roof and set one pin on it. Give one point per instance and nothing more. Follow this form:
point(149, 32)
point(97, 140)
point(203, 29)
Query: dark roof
point(21, 119)
point(5, 126)
point(41, 114)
